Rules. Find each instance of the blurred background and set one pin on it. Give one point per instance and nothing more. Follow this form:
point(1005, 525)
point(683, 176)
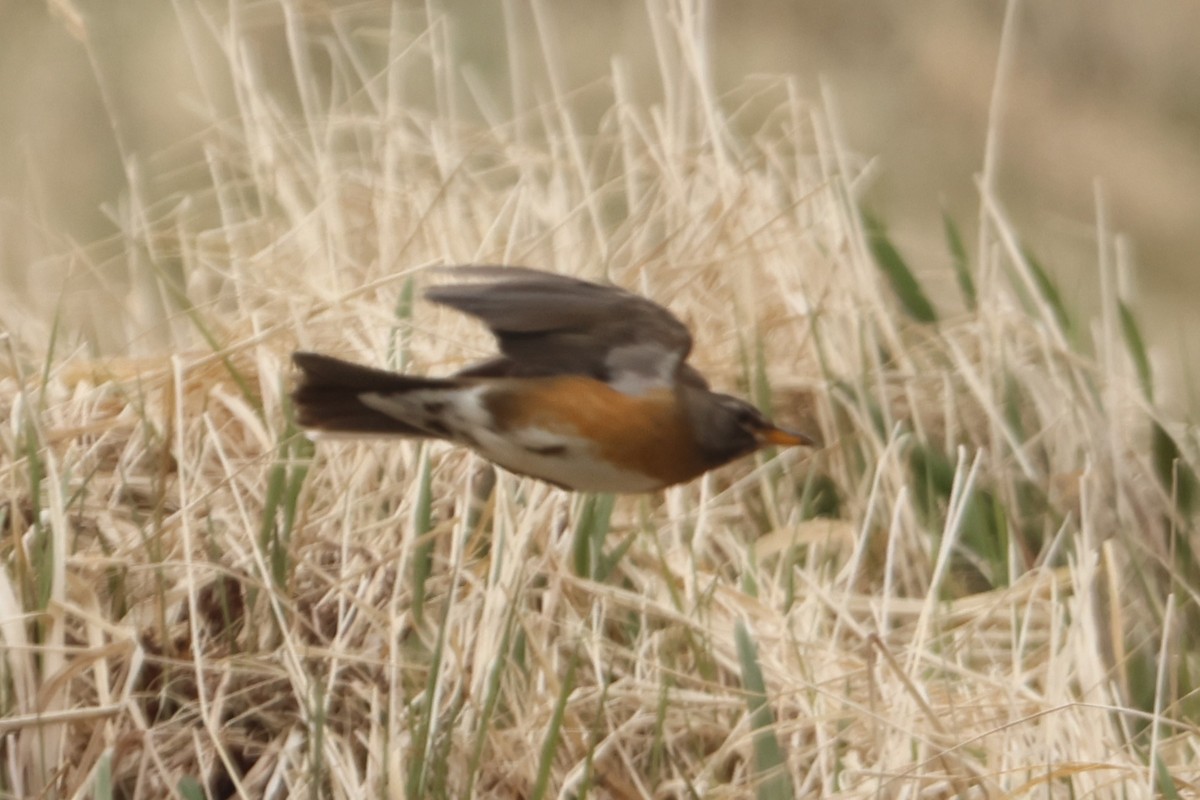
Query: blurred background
point(98, 96)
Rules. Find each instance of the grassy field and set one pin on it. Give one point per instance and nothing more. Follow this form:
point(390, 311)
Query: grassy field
point(983, 585)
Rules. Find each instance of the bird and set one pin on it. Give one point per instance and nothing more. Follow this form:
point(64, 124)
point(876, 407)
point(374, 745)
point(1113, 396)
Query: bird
point(591, 390)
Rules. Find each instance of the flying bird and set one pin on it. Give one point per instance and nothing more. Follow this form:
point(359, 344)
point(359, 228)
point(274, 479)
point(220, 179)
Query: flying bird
point(591, 390)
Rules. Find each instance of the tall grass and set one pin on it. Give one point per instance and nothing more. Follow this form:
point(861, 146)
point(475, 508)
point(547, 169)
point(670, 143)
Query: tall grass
point(983, 585)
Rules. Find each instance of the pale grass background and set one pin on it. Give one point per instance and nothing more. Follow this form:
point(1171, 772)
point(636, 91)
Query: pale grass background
point(1103, 92)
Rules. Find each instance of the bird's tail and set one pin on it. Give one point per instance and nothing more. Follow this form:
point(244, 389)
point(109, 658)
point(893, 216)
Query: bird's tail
point(329, 397)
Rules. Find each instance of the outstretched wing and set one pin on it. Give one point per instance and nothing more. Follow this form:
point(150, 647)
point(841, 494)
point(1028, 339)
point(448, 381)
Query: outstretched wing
point(547, 324)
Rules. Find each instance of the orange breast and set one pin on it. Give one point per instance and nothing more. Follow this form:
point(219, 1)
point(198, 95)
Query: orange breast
point(647, 433)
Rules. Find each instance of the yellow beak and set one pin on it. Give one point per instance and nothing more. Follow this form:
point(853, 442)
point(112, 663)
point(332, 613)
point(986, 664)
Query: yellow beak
point(782, 437)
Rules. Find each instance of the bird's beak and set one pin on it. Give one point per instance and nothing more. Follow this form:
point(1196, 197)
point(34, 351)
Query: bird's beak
point(782, 437)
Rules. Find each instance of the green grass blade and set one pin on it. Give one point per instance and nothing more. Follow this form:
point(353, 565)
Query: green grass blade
point(422, 564)
point(285, 480)
point(553, 732)
point(984, 522)
point(190, 789)
point(104, 787)
point(1163, 781)
point(609, 561)
point(42, 543)
point(769, 762)
point(176, 291)
point(1173, 472)
point(895, 268)
point(1137, 349)
point(420, 751)
point(492, 697)
point(269, 536)
point(595, 521)
point(398, 345)
point(1049, 291)
point(962, 266)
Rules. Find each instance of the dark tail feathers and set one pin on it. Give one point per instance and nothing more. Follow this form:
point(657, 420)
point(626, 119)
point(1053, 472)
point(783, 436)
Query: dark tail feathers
point(327, 396)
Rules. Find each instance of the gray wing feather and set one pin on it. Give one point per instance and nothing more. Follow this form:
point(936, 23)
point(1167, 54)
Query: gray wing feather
point(548, 324)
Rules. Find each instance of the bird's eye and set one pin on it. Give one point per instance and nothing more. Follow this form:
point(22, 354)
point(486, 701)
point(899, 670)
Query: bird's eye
point(748, 416)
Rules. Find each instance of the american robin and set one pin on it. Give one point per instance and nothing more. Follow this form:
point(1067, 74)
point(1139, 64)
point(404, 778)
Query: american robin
point(591, 390)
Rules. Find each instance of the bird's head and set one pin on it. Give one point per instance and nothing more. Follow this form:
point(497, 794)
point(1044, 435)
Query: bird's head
point(728, 427)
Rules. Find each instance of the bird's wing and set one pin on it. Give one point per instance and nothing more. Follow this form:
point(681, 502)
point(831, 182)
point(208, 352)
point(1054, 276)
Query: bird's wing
point(547, 324)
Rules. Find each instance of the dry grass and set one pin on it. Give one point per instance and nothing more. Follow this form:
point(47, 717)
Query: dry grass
point(982, 587)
